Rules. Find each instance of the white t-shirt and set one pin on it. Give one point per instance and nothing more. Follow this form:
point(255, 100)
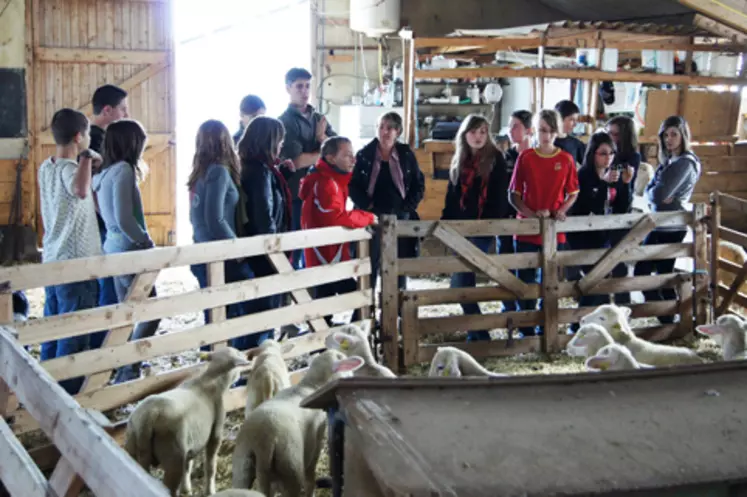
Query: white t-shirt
point(70, 226)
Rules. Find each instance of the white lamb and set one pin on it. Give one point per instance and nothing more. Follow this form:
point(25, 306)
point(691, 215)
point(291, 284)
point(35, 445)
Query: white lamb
point(731, 329)
point(613, 357)
point(234, 492)
point(269, 374)
point(280, 441)
point(170, 428)
point(352, 340)
point(615, 320)
point(454, 362)
point(588, 340)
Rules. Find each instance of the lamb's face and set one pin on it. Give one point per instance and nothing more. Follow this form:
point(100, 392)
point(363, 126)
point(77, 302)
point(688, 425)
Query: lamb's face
point(445, 364)
point(726, 324)
point(588, 334)
point(608, 357)
point(612, 318)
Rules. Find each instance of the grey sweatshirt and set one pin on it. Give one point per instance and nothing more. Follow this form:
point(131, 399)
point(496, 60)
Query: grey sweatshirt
point(121, 208)
point(674, 180)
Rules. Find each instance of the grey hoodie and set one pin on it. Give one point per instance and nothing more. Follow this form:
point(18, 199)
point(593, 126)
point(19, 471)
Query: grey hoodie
point(121, 208)
point(674, 180)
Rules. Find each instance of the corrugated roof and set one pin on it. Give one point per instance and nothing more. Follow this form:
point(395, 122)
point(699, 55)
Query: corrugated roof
point(617, 10)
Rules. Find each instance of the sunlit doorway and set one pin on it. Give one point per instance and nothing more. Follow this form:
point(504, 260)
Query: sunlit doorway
point(226, 49)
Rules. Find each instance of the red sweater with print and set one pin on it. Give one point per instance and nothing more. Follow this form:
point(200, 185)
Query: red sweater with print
point(543, 181)
point(324, 191)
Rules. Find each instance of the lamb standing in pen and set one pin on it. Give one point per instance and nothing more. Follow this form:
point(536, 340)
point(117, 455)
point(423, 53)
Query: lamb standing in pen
point(452, 361)
point(280, 441)
point(170, 428)
point(613, 357)
point(615, 320)
point(352, 340)
point(731, 329)
point(588, 340)
point(269, 375)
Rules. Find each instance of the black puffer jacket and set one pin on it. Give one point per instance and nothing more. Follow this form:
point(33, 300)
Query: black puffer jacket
point(496, 203)
point(265, 200)
point(412, 177)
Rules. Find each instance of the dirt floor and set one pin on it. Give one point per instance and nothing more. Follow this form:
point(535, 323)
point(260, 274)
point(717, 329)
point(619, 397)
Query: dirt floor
point(175, 281)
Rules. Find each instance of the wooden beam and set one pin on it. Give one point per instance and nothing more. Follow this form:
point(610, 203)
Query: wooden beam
point(714, 257)
point(615, 254)
point(300, 296)
point(104, 359)
point(139, 290)
point(65, 481)
point(589, 39)
point(719, 29)
point(57, 273)
point(479, 260)
point(584, 74)
point(550, 285)
point(117, 315)
point(100, 56)
point(732, 13)
point(732, 292)
point(216, 276)
point(389, 291)
point(18, 473)
point(87, 447)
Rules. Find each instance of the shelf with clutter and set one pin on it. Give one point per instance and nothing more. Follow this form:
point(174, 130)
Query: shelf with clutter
point(642, 70)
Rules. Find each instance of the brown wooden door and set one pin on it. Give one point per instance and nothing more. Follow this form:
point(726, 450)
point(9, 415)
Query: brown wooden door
point(76, 46)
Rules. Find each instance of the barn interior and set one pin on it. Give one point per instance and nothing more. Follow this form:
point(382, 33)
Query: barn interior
point(434, 62)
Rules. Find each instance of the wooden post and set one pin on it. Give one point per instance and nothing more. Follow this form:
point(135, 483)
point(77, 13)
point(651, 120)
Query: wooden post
point(65, 481)
point(686, 306)
point(715, 236)
point(389, 292)
point(701, 263)
point(216, 276)
point(682, 97)
point(364, 282)
point(550, 284)
point(410, 331)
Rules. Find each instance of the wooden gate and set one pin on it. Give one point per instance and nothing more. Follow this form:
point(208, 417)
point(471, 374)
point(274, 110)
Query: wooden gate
point(692, 285)
point(75, 46)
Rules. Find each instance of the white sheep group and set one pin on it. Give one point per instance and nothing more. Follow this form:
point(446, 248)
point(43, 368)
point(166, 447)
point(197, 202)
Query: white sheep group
point(614, 320)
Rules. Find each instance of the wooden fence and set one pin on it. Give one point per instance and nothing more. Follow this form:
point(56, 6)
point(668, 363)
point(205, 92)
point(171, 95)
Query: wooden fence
point(89, 456)
point(97, 365)
point(406, 350)
point(727, 276)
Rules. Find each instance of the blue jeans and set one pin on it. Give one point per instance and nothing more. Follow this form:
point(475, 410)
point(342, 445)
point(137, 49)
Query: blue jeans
point(234, 272)
point(662, 266)
point(107, 294)
point(337, 288)
point(467, 280)
point(297, 255)
point(62, 299)
point(528, 275)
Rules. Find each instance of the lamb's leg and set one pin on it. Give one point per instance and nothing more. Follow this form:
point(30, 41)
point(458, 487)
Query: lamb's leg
point(173, 476)
point(313, 459)
point(211, 463)
point(187, 477)
point(264, 482)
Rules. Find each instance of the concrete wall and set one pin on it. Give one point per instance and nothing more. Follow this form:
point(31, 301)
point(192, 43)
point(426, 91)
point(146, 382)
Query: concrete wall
point(12, 55)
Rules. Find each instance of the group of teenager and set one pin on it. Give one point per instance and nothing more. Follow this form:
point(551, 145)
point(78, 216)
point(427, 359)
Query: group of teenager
point(295, 172)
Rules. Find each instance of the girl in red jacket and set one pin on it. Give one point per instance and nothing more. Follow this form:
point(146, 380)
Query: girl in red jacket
point(324, 192)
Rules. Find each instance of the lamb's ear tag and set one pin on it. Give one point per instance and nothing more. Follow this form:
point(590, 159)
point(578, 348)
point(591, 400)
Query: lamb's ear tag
point(204, 356)
point(335, 341)
point(349, 364)
point(617, 327)
point(708, 329)
point(596, 363)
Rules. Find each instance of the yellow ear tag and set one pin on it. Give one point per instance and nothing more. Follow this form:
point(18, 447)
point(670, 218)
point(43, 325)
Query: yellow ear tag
point(446, 371)
point(344, 344)
point(617, 326)
point(602, 367)
point(204, 356)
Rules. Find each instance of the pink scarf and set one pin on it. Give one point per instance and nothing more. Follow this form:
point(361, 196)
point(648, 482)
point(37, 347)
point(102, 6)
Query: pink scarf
point(394, 169)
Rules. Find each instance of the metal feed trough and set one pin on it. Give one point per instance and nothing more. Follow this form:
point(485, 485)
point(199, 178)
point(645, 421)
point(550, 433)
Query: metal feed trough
point(666, 432)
